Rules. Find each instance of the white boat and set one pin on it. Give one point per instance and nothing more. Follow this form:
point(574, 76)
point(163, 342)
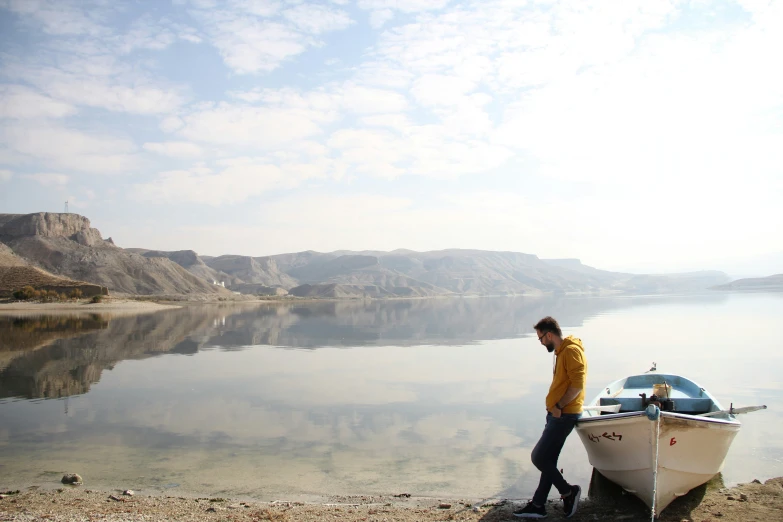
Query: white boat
point(658, 435)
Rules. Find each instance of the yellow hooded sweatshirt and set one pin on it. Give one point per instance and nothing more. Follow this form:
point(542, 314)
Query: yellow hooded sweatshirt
point(570, 372)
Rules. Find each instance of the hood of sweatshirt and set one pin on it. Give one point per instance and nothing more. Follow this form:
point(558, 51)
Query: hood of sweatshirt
point(570, 341)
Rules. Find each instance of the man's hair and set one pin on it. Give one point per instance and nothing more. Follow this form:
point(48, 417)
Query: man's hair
point(548, 324)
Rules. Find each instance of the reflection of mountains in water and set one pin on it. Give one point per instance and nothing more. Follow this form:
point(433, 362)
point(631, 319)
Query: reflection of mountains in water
point(51, 357)
point(414, 322)
point(25, 333)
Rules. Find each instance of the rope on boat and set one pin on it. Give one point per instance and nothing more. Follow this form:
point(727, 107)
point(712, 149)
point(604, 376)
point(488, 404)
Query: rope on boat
point(655, 469)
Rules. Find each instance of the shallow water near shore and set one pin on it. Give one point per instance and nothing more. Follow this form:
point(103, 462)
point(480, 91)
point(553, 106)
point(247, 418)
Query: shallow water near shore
point(429, 397)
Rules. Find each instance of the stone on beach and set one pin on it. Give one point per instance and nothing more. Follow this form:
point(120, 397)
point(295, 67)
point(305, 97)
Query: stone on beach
point(72, 478)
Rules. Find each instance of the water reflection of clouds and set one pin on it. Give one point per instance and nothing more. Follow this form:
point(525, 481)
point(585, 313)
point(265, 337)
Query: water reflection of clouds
point(493, 372)
point(260, 397)
point(452, 408)
point(312, 407)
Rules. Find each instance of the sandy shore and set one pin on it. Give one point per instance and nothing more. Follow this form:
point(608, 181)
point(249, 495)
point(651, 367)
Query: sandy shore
point(108, 305)
point(745, 502)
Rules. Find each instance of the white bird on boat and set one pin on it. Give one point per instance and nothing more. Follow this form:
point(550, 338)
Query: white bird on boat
point(658, 435)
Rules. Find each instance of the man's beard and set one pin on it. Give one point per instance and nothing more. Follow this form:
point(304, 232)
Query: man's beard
point(550, 347)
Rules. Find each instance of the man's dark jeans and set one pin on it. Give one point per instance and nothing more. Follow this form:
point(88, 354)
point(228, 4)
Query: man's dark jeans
point(546, 453)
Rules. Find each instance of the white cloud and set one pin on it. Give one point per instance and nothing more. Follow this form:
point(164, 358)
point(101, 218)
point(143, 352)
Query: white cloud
point(443, 151)
point(20, 102)
point(702, 113)
point(274, 118)
point(67, 149)
point(500, 48)
point(239, 179)
point(251, 37)
point(99, 81)
point(394, 121)
point(450, 149)
point(348, 96)
point(171, 123)
point(340, 208)
point(374, 152)
point(379, 73)
point(260, 8)
point(420, 150)
point(252, 47)
point(146, 33)
point(189, 35)
point(306, 150)
point(61, 17)
point(327, 221)
point(368, 100)
point(262, 127)
point(317, 19)
point(406, 6)
point(321, 100)
point(175, 149)
point(438, 89)
point(5, 175)
point(379, 17)
point(48, 179)
point(83, 65)
point(154, 35)
point(472, 40)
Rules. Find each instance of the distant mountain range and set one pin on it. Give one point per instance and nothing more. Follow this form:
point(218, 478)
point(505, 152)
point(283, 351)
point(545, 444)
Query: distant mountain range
point(66, 246)
point(773, 282)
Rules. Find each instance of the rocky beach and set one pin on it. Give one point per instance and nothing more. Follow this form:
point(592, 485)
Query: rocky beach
point(109, 305)
point(755, 501)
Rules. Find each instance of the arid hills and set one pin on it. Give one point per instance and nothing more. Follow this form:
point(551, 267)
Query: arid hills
point(751, 284)
point(65, 247)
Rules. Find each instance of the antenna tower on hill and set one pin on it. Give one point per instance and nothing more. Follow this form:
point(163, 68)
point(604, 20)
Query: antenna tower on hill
point(66, 207)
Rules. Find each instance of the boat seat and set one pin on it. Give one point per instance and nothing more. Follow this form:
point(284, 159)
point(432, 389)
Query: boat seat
point(688, 405)
point(626, 403)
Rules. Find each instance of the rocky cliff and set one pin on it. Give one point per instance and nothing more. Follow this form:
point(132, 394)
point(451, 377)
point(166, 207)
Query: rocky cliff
point(190, 261)
point(16, 273)
point(8, 258)
point(67, 246)
point(259, 270)
point(46, 224)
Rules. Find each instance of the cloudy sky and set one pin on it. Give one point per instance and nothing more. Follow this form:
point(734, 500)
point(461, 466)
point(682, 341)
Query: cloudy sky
point(634, 135)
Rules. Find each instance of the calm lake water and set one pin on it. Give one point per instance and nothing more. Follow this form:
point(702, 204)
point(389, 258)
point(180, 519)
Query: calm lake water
point(430, 397)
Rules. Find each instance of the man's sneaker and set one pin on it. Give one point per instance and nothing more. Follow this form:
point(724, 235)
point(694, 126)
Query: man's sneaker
point(571, 502)
point(531, 511)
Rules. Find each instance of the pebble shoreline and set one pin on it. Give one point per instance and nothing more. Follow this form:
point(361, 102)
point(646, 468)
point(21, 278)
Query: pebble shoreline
point(745, 502)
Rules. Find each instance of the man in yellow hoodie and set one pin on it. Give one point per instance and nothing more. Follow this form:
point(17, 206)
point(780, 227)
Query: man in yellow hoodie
point(564, 407)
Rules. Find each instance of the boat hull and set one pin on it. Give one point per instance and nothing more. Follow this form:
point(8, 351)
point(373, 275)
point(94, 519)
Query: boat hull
point(657, 459)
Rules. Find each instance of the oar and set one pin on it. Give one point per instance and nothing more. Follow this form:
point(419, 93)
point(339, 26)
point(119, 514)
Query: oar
point(733, 411)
